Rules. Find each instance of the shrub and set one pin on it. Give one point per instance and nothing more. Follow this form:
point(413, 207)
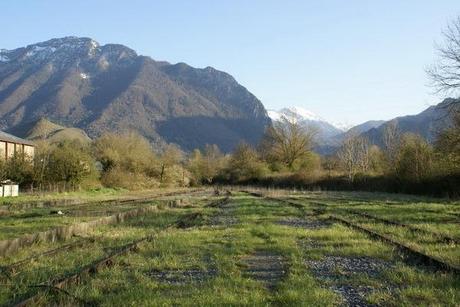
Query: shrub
point(69, 162)
point(17, 168)
point(120, 178)
point(245, 165)
point(415, 158)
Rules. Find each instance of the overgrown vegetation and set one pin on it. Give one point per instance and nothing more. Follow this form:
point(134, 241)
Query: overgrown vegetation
point(246, 251)
point(405, 163)
point(113, 160)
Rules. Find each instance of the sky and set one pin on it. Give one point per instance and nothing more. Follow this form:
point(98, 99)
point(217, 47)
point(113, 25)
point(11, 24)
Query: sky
point(347, 61)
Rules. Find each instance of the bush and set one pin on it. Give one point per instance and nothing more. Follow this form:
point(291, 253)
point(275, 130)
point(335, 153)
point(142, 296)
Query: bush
point(128, 151)
point(17, 168)
point(206, 166)
point(415, 159)
point(70, 162)
point(120, 178)
point(127, 161)
point(245, 165)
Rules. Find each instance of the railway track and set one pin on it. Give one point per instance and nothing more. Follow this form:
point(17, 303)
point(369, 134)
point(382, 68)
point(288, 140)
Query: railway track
point(49, 290)
point(288, 202)
point(321, 208)
point(68, 202)
point(11, 269)
point(415, 256)
point(440, 237)
point(58, 284)
point(91, 269)
point(9, 246)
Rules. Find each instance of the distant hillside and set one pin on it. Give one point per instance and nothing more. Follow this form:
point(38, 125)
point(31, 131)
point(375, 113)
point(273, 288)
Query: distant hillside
point(40, 129)
point(330, 145)
point(329, 135)
point(79, 83)
point(428, 123)
point(44, 129)
point(364, 127)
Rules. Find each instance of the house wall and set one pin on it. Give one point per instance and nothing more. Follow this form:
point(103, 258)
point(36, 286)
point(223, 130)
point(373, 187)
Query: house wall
point(29, 151)
point(8, 149)
point(2, 150)
point(19, 148)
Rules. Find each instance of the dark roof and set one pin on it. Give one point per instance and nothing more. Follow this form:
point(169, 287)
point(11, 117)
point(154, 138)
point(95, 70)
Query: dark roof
point(14, 139)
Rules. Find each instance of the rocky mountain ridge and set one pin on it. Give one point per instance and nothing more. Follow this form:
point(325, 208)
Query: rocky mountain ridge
point(79, 83)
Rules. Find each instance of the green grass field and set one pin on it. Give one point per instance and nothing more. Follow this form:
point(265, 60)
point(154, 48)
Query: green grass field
point(243, 250)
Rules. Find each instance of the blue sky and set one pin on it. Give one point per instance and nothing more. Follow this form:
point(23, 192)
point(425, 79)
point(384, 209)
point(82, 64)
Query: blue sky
point(347, 61)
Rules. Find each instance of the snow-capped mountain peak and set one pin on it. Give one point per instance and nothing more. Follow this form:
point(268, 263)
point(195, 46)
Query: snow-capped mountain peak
point(344, 126)
point(307, 119)
point(65, 51)
point(274, 115)
point(294, 114)
point(302, 113)
point(4, 55)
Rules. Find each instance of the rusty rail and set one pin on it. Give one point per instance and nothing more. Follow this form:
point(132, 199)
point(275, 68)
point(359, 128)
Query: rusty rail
point(415, 255)
point(9, 246)
point(93, 268)
point(12, 268)
point(440, 237)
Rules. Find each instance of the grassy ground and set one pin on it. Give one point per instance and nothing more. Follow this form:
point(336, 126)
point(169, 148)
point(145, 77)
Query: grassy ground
point(252, 251)
point(83, 196)
point(40, 219)
point(29, 217)
point(435, 219)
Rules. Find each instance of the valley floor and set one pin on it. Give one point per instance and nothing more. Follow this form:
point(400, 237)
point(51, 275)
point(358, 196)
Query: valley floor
point(235, 248)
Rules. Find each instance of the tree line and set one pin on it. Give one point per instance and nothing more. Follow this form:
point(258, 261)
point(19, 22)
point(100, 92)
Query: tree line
point(113, 160)
point(284, 157)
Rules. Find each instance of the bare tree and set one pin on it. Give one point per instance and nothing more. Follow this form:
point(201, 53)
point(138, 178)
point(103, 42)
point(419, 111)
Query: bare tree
point(445, 73)
point(364, 157)
point(445, 76)
point(287, 141)
point(354, 155)
point(170, 157)
point(391, 142)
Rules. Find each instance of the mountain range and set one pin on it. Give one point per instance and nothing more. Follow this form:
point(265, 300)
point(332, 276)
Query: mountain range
point(76, 82)
point(328, 135)
point(427, 123)
point(73, 87)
